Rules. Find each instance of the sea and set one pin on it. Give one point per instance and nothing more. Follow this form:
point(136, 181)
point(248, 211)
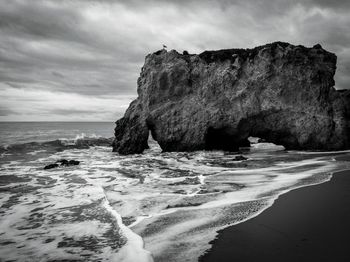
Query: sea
point(155, 206)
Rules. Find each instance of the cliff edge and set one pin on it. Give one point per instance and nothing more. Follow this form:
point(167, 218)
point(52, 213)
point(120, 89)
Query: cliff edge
point(217, 99)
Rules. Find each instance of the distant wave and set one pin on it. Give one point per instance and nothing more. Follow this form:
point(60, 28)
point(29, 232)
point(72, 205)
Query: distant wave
point(81, 141)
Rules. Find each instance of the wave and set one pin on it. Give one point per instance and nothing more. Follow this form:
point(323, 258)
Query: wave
point(81, 141)
point(167, 206)
point(133, 250)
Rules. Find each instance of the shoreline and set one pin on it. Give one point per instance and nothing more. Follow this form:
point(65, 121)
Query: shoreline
point(310, 223)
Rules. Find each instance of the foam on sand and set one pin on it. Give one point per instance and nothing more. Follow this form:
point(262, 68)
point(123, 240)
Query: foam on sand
point(133, 249)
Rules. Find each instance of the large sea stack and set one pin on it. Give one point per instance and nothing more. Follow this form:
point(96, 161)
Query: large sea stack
point(215, 100)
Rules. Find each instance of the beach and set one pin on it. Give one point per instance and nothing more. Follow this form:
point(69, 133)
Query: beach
point(306, 224)
point(160, 206)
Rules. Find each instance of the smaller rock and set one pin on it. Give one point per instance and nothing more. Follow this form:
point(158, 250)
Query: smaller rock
point(73, 162)
point(50, 166)
point(239, 158)
point(65, 162)
point(62, 162)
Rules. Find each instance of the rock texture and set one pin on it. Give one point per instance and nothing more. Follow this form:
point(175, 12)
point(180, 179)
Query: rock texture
point(345, 94)
point(217, 99)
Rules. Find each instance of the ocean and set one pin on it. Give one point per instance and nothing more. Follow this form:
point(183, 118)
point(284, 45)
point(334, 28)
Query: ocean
point(155, 206)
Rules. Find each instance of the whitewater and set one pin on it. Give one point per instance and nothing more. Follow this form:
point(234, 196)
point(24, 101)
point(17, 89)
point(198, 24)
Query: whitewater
point(154, 206)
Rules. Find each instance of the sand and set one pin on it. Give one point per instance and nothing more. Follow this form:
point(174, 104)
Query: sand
point(306, 224)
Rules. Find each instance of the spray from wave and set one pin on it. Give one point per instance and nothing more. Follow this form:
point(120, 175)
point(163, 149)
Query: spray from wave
point(81, 141)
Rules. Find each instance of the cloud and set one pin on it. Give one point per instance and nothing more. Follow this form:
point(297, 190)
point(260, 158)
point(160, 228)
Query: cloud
point(5, 111)
point(22, 104)
point(95, 48)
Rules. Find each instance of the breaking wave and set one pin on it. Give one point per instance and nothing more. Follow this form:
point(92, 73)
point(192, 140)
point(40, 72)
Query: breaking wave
point(81, 141)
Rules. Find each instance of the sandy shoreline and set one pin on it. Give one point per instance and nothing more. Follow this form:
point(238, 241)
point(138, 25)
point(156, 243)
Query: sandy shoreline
point(306, 224)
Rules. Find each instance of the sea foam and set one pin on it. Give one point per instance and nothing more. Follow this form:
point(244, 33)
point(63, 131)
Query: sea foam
point(166, 206)
point(133, 250)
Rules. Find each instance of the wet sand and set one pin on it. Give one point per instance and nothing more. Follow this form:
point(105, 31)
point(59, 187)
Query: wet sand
point(306, 224)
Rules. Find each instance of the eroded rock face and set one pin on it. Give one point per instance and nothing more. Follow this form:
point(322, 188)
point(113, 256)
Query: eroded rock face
point(217, 99)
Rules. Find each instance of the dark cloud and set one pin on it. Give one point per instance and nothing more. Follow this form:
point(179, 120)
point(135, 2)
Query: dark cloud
point(38, 37)
point(36, 19)
point(59, 75)
point(5, 111)
point(333, 4)
point(95, 48)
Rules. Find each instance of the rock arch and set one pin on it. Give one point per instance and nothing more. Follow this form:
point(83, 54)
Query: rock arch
point(217, 99)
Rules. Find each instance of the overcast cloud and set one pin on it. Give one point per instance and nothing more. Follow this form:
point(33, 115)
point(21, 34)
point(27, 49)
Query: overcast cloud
point(79, 60)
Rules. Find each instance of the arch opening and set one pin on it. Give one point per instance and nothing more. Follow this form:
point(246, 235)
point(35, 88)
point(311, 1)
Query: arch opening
point(224, 138)
point(152, 136)
point(263, 129)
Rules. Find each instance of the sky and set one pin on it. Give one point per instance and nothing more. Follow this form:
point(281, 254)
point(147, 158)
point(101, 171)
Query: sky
point(79, 60)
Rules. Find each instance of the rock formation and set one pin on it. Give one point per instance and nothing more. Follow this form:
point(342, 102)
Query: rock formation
point(62, 162)
point(345, 94)
point(217, 99)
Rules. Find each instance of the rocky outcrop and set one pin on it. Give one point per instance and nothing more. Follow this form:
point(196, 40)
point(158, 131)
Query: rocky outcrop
point(62, 162)
point(217, 99)
point(345, 94)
